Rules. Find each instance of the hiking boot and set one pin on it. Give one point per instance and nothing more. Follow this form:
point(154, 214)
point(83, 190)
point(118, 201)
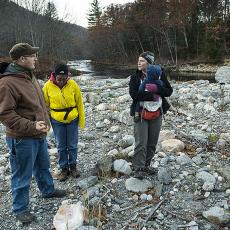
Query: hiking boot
point(25, 217)
point(58, 193)
point(150, 170)
point(139, 173)
point(63, 175)
point(74, 172)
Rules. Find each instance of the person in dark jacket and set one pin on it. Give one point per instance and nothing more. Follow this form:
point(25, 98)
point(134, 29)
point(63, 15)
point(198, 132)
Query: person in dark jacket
point(24, 114)
point(146, 132)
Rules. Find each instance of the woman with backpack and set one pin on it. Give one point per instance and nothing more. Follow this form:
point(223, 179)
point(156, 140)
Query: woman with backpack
point(147, 125)
point(63, 97)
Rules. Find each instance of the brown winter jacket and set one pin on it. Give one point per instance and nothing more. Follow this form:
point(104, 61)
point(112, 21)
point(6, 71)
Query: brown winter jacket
point(21, 104)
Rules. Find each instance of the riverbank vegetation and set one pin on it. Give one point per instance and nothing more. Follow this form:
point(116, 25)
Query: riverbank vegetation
point(174, 30)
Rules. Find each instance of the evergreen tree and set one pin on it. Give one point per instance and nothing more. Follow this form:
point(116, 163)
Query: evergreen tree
point(51, 11)
point(94, 19)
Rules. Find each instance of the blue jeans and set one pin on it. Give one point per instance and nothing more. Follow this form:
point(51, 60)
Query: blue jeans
point(66, 136)
point(28, 156)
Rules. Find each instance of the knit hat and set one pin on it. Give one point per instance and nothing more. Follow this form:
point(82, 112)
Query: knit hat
point(22, 49)
point(61, 69)
point(148, 56)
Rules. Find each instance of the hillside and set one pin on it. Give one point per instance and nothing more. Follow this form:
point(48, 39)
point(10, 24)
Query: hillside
point(41, 27)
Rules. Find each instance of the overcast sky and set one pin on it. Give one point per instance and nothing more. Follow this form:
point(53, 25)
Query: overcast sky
point(77, 10)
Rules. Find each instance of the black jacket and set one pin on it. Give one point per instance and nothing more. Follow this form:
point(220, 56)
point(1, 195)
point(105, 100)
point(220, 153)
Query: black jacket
point(164, 91)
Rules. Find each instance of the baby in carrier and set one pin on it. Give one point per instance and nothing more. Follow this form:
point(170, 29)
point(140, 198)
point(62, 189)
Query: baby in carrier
point(153, 77)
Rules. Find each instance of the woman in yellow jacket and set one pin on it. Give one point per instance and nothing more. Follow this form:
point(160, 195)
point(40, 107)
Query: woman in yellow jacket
point(64, 99)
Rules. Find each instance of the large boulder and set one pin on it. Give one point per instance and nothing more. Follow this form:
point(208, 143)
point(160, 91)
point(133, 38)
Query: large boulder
point(69, 217)
point(222, 74)
point(172, 146)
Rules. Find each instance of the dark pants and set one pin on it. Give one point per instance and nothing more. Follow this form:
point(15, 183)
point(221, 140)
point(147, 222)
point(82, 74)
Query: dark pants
point(66, 136)
point(28, 156)
point(146, 135)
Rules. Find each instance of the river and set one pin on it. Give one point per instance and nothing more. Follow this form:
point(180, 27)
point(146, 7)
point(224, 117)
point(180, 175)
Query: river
point(90, 69)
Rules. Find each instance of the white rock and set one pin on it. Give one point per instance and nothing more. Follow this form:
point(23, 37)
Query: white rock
point(193, 225)
point(207, 186)
point(69, 217)
point(149, 197)
point(102, 107)
point(113, 152)
point(114, 129)
point(172, 145)
point(207, 194)
point(165, 135)
point(143, 196)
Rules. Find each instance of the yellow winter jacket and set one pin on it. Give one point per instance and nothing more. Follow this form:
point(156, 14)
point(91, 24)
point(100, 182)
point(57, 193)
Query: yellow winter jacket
point(68, 96)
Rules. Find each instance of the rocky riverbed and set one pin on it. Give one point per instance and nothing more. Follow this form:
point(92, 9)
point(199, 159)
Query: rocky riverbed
point(191, 187)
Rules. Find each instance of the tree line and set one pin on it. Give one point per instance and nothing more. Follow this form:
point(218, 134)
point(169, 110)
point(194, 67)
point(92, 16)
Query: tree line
point(173, 29)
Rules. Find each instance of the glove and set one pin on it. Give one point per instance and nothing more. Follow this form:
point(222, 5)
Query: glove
point(151, 88)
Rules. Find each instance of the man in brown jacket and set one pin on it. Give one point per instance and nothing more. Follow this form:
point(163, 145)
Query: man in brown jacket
point(24, 114)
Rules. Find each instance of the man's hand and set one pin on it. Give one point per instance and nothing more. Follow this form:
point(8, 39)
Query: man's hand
point(41, 126)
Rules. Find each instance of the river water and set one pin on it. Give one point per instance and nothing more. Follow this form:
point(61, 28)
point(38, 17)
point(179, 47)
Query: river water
point(90, 69)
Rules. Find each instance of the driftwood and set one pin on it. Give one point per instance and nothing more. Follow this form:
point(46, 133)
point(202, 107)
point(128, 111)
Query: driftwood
point(154, 210)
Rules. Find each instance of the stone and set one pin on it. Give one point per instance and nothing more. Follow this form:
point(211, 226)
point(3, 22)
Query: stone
point(193, 225)
point(87, 182)
point(197, 160)
point(69, 217)
point(137, 185)
point(225, 172)
point(164, 175)
point(217, 215)
point(126, 141)
point(172, 145)
point(206, 177)
point(165, 135)
point(122, 166)
point(222, 74)
point(87, 228)
point(207, 186)
point(113, 152)
point(102, 107)
point(143, 196)
point(184, 160)
point(158, 189)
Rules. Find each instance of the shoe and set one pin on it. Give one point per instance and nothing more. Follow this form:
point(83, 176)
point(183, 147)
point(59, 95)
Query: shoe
point(25, 217)
point(58, 193)
point(63, 175)
point(74, 172)
point(150, 170)
point(139, 173)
